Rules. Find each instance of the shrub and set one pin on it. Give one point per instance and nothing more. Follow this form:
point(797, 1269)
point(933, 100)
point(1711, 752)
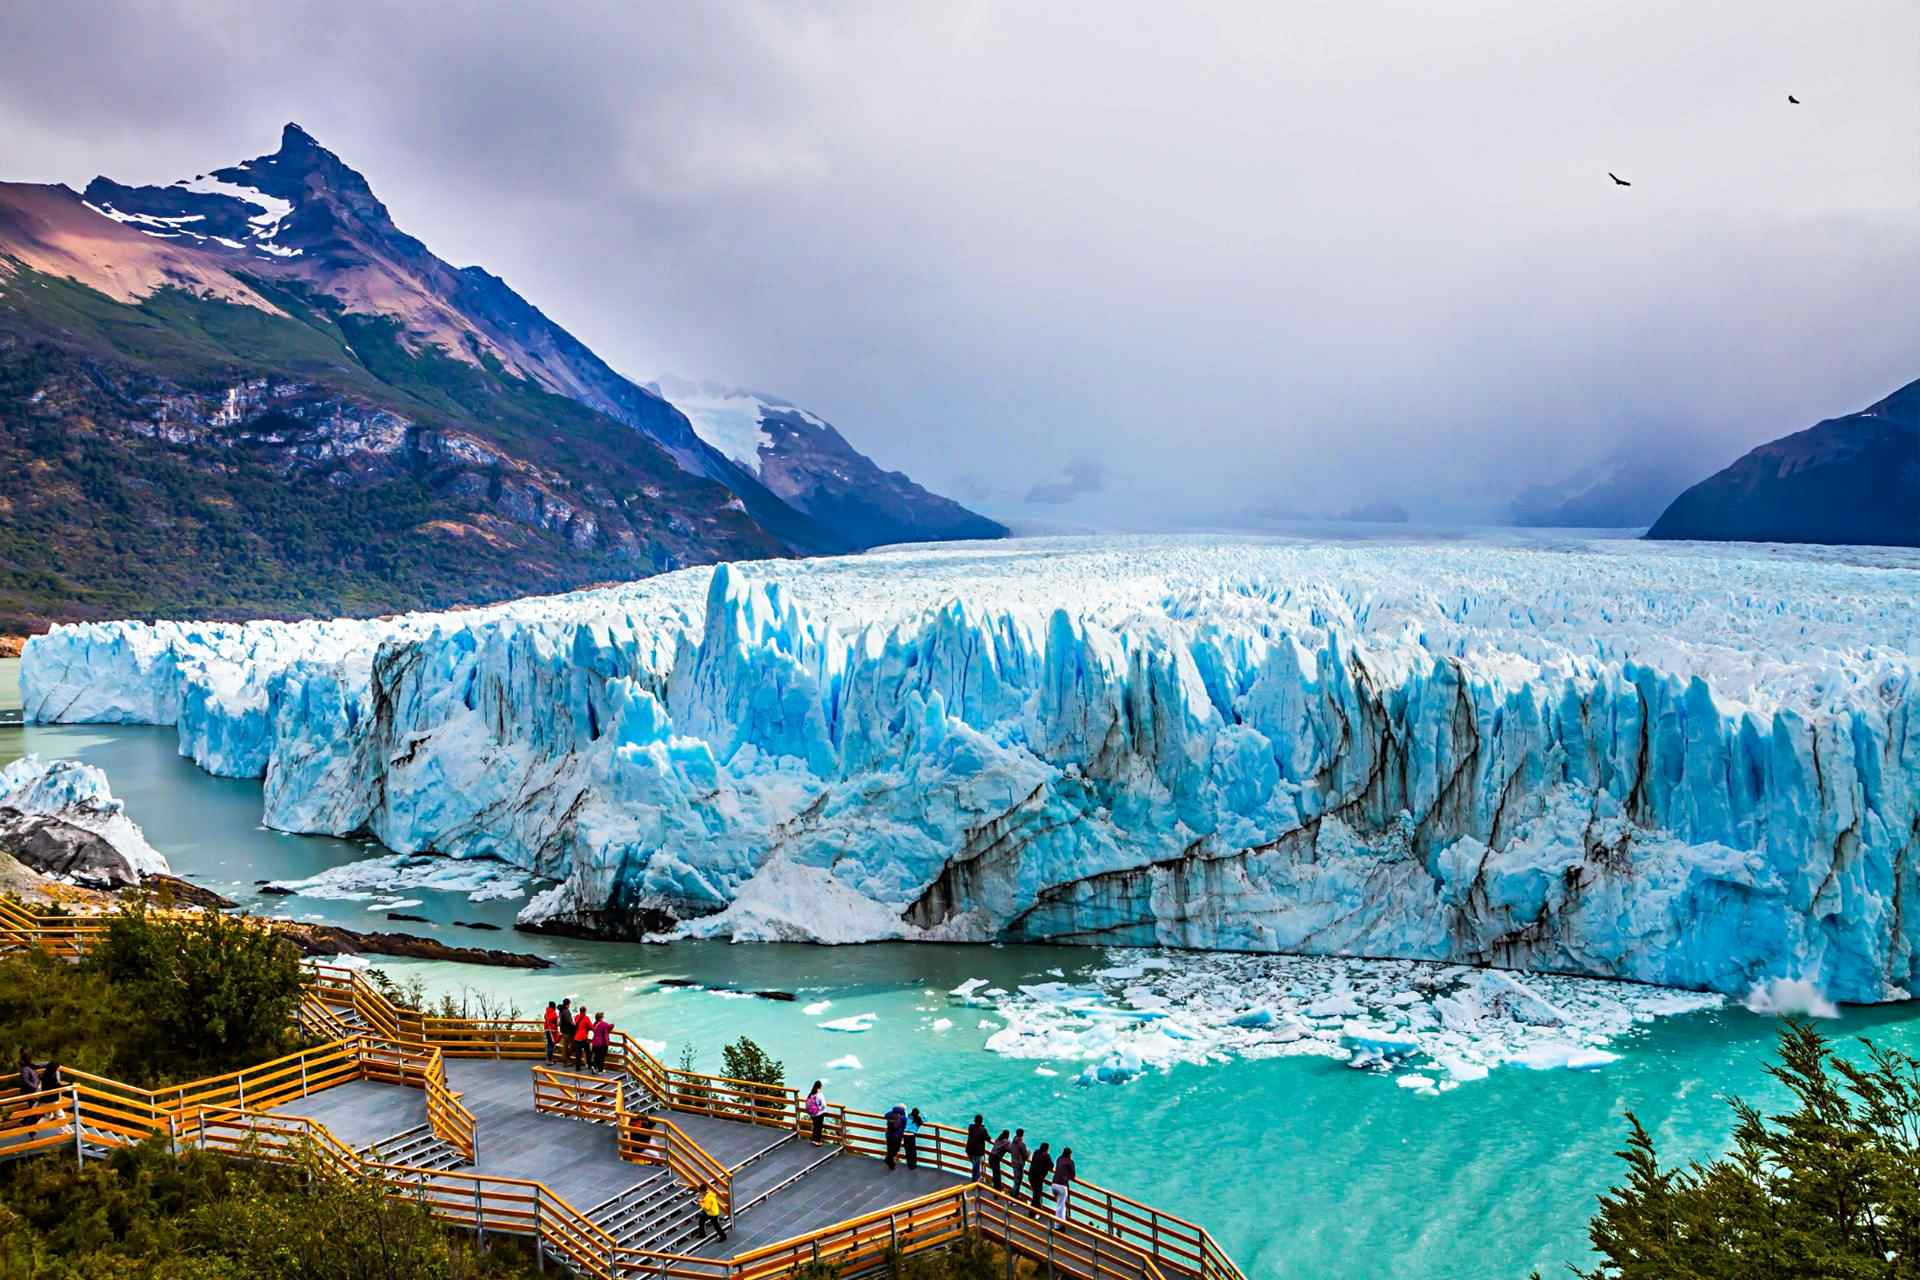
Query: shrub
point(142, 1212)
point(213, 991)
point(1830, 1188)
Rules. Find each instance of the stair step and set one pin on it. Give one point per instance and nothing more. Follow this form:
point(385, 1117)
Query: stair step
point(787, 1181)
point(764, 1152)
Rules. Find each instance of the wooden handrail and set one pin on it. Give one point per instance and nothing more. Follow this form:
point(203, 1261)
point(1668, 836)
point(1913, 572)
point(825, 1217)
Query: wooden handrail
point(406, 1047)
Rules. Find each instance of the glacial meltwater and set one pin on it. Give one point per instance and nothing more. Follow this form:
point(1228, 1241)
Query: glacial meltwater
point(1301, 1165)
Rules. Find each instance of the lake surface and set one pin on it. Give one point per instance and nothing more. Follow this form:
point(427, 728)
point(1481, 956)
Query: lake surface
point(1301, 1166)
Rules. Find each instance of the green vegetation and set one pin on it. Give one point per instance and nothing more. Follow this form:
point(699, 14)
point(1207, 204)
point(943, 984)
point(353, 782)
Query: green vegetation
point(1828, 1189)
point(145, 1213)
point(161, 1000)
point(117, 499)
point(745, 1060)
point(471, 1003)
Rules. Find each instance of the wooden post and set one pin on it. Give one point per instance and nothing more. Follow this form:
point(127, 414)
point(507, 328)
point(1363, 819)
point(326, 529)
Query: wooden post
point(303, 1075)
point(479, 1215)
point(79, 1143)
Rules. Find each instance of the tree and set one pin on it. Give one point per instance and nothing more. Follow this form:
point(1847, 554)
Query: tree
point(745, 1060)
point(1828, 1189)
point(214, 990)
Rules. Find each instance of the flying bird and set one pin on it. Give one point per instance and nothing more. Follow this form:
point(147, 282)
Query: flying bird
point(1618, 179)
point(1795, 101)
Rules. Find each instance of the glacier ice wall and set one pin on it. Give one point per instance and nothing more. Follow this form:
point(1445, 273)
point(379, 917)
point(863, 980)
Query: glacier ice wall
point(1680, 764)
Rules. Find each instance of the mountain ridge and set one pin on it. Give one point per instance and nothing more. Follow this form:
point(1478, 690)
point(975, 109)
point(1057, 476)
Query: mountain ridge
point(266, 337)
point(1849, 480)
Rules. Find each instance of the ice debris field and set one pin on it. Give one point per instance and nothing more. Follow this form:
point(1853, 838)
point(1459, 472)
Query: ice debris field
point(1431, 1026)
point(1682, 764)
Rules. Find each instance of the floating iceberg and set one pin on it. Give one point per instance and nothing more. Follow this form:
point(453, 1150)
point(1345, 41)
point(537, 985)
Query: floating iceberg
point(1681, 764)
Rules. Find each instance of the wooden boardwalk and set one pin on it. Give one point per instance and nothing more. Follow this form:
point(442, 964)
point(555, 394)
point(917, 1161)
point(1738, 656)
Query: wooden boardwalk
point(581, 1162)
point(601, 1169)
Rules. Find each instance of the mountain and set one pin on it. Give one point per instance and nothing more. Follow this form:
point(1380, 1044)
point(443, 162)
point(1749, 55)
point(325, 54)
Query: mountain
point(1627, 489)
point(249, 392)
point(1851, 480)
point(810, 465)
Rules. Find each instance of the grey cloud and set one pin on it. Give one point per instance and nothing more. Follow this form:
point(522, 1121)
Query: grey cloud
point(1295, 256)
point(1082, 475)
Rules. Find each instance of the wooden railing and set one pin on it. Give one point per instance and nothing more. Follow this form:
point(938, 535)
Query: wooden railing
point(1178, 1246)
point(595, 1099)
point(61, 935)
point(1106, 1236)
point(691, 1164)
point(449, 1119)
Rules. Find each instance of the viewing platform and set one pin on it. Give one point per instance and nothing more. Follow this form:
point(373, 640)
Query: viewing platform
point(604, 1170)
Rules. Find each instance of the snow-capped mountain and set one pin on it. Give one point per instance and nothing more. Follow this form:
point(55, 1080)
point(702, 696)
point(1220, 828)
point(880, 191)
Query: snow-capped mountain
point(1849, 480)
point(810, 465)
point(173, 324)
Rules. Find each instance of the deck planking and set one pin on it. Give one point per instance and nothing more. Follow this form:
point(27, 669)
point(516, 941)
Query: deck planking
point(580, 1161)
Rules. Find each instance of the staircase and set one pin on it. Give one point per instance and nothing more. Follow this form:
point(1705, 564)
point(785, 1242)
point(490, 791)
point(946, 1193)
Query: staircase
point(656, 1213)
point(416, 1148)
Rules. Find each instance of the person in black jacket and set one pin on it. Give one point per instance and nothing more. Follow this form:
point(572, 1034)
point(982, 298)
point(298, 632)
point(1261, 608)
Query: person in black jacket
point(896, 1132)
point(1019, 1153)
point(1001, 1145)
point(1062, 1182)
point(1037, 1172)
point(977, 1139)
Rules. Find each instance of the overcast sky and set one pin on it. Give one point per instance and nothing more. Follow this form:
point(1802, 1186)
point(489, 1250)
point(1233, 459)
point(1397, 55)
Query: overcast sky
point(1145, 262)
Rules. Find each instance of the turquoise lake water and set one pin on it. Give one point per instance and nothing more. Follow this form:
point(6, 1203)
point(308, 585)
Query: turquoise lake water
point(1300, 1166)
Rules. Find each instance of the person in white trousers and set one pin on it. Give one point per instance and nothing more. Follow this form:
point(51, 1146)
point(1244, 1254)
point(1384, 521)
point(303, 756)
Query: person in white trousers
point(1062, 1182)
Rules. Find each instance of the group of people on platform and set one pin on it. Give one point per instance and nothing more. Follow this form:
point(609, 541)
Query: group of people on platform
point(577, 1038)
point(987, 1155)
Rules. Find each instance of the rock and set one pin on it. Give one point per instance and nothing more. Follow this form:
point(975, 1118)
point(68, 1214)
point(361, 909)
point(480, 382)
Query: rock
point(274, 890)
point(401, 915)
point(333, 940)
point(57, 848)
point(476, 924)
point(172, 891)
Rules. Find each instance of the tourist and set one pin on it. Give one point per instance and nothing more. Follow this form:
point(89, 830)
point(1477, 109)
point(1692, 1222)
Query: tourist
point(710, 1214)
point(29, 1074)
point(582, 1035)
point(1001, 1145)
point(602, 1037)
point(553, 1029)
point(816, 1108)
point(1062, 1182)
point(896, 1131)
point(563, 1029)
point(1037, 1172)
point(50, 1076)
point(1019, 1153)
point(977, 1138)
point(912, 1136)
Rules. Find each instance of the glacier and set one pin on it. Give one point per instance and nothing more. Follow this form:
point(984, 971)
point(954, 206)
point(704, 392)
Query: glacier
point(1683, 764)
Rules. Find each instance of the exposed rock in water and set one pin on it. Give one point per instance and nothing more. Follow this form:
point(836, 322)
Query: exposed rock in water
point(172, 891)
point(475, 924)
point(412, 919)
point(57, 848)
point(333, 940)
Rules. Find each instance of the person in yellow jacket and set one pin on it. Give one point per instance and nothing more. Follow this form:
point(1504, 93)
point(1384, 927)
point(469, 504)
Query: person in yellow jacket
point(710, 1213)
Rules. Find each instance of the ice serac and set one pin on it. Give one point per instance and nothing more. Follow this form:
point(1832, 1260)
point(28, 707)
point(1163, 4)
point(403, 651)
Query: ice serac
point(1682, 765)
point(60, 818)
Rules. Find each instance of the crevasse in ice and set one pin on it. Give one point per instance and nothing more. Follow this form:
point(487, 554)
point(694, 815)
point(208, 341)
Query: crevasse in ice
point(1681, 764)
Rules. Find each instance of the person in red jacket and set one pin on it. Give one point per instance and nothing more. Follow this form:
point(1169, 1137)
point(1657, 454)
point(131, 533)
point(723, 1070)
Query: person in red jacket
point(582, 1035)
point(553, 1030)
